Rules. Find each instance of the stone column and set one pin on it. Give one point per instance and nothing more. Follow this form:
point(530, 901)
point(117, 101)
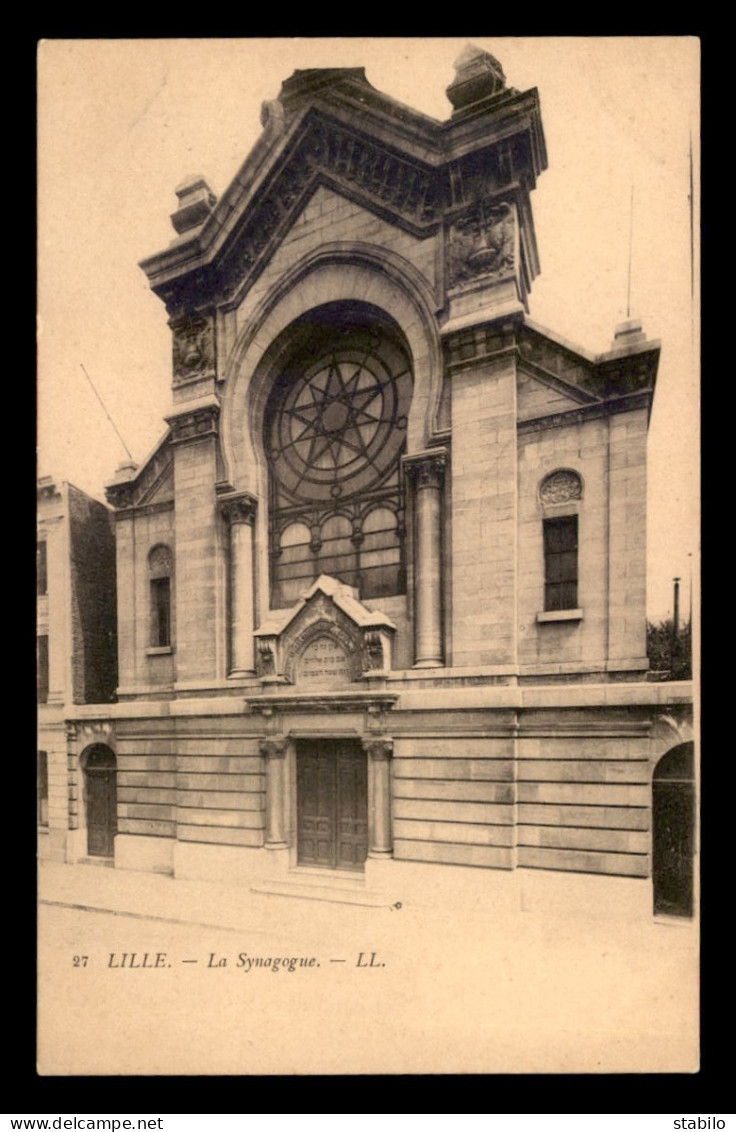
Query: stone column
point(274, 753)
point(240, 512)
point(427, 470)
point(379, 819)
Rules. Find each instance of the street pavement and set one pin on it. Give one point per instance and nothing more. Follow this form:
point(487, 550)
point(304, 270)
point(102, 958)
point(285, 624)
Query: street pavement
point(354, 989)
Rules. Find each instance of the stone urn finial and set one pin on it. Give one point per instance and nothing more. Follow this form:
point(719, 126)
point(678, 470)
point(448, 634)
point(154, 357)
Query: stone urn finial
point(196, 202)
point(477, 75)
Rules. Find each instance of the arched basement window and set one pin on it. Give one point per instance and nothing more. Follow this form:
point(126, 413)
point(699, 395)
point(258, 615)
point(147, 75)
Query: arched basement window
point(334, 432)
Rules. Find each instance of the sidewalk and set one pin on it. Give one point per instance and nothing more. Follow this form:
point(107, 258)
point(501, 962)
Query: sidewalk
point(452, 991)
point(235, 907)
point(226, 907)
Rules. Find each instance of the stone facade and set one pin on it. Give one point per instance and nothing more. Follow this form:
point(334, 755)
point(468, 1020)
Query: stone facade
point(464, 664)
point(76, 618)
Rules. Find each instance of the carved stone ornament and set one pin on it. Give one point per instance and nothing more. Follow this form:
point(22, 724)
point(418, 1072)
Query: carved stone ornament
point(321, 642)
point(266, 657)
point(426, 469)
point(372, 651)
point(238, 508)
point(272, 749)
point(324, 654)
point(193, 347)
point(481, 242)
point(561, 487)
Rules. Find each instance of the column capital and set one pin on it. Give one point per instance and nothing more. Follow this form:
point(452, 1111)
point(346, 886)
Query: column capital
point(240, 507)
point(273, 748)
point(380, 750)
point(426, 468)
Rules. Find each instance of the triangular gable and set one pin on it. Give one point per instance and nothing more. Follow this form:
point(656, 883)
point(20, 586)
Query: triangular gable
point(149, 485)
point(327, 633)
point(537, 397)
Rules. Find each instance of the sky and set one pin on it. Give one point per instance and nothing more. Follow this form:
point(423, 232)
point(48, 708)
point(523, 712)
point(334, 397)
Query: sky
point(123, 122)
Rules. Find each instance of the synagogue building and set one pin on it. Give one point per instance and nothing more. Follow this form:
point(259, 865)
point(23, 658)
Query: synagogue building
point(381, 586)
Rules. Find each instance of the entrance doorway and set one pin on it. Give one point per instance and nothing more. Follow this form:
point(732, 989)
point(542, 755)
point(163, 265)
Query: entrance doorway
point(332, 803)
point(101, 793)
point(673, 832)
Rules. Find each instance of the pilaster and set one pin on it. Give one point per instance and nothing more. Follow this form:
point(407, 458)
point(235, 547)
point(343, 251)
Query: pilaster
point(426, 470)
point(482, 363)
point(194, 440)
point(239, 511)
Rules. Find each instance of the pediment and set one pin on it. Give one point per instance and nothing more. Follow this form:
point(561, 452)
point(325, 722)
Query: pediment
point(327, 639)
point(334, 129)
point(150, 485)
point(537, 397)
point(253, 220)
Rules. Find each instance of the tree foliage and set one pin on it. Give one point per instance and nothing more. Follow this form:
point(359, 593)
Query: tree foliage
point(669, 657)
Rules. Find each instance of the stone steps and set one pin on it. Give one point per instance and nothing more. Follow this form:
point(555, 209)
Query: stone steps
point(328, 893)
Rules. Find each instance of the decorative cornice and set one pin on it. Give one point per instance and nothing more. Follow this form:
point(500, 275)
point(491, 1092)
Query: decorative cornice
point(240, 508)
point(321, 702)
point(123, 508)
point(478, 343)
point(196, 423)
point(625, 404)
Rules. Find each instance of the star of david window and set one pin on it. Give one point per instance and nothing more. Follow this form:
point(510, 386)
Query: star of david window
point(335, 430)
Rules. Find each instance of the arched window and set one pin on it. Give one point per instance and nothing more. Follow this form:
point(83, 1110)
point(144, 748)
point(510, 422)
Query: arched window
point(334, 433)
point(160, 570)
point(560, 491)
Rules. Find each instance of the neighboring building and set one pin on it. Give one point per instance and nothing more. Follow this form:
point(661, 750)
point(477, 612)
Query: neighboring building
point(75, 640)
point(381, 585)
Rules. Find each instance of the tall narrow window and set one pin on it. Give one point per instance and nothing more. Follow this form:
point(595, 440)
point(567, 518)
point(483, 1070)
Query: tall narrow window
point(42, 584)
point(561, 563)
point(160, 570)
point(42, 669)
point(43, 788)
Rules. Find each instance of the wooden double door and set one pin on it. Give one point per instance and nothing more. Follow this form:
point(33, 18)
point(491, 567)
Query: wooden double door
point(332, 803)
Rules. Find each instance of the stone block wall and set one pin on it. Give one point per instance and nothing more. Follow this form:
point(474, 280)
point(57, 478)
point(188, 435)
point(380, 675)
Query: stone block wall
point(146, 761)
point(52, 837)
point(584, 800)
point(93, 599)
point(202, 783)
point(199, 601)
point(453, 801)
point(331, 218)
point(484, 514)
point(582, 447)
point(627, 538)
point(137, 535)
